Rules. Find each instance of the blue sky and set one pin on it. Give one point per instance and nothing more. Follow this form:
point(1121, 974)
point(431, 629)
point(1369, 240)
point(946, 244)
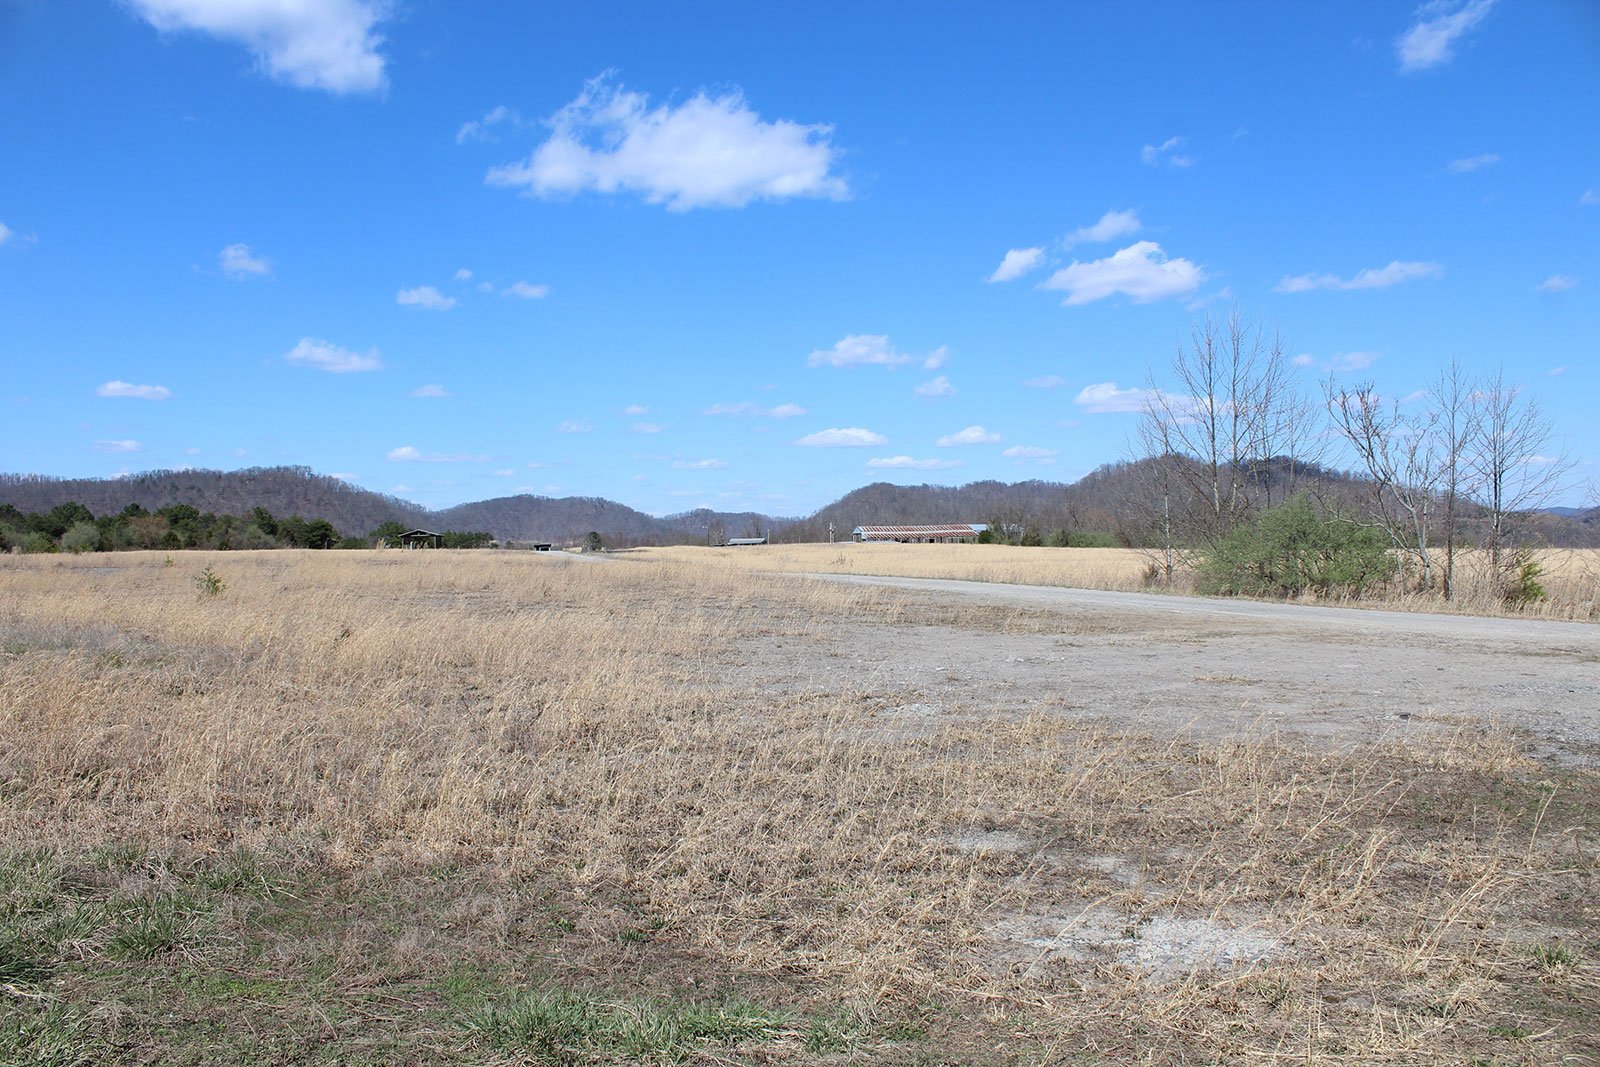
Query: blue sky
point(754, 256)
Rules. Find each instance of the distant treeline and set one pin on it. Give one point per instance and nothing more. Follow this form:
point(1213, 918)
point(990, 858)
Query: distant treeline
point(72, 527)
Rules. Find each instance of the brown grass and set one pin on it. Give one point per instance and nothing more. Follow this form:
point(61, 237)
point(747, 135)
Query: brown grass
point(471, 725)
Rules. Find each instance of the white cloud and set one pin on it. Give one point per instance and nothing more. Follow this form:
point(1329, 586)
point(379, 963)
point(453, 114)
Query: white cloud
point(1372, 278)
point(410, 454)
point(574, 426)
point(848, 437)
point(1431, 39)
point(936, 387)
point(1033, 452)
point(310, 44)
point(1556, 372)
point(1048, 381)
point(635, 410)
point(485, 287)
point(5, 233)
point(324, 355)
point(431, 392)
point(505, 472)
point(343, 476)
point(1166, 152)
point(526, 291)
point(1142, 272)
point(425, 296)
point(699, 465)
point(1472, 163)
point(745, 408)
point(118, 446)
point(239, 263)
point(907, 463)
point(463, 275)
point(1017, 262)
point(477, 129)
point(859, 349)
point(1557, 283)
point(937, 358)
point(1112, 224)
point(137, 392)
point(1590, 197)
point(705, 152)
point(647, 427)
point(972, 435)
point(1106, 398)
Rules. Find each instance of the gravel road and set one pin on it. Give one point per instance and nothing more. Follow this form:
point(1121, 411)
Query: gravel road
point(1332, 677)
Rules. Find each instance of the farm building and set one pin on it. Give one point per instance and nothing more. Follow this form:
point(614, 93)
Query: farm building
point(421, 539)
point(737, 541)
point(920, 534)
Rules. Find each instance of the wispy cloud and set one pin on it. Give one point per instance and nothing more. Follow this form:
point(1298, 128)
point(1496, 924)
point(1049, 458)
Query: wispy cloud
point(574, 426)
point(462, 274)
point(647, 427)
point(1112, 224)
point(1032, 453)
point(699, 465)
point(1557, 283)
point(746, 409)
point(1430, 40)
point(1472, 163)
point(409, 454)
point(635, 410)
point(326, 356)
point(1108, 398)
point(1152, 155)
point(908, 463)
point(859, 350)
point(431, 392)
point(1373, 278)
point(937, 358)
point(708, 151)
point(526, 291)
point(1017, 262)
point(937, 387)
point(239, 263)
point(1590, 197)
point(846, 437)
point(328, 44)
point(1341, 363)
point(136, 392)
point(118, 446)
point(972, 435)
point(1142, 272)
point(478, 129)
point(426, 297)
point(1048, 381)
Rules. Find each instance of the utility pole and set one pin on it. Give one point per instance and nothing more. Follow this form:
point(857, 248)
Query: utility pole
point(830, 531)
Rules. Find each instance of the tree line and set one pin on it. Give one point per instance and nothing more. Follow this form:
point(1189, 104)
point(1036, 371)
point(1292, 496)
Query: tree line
point(72, 527)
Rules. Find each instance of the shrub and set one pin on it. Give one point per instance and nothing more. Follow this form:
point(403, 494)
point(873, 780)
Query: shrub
point(1293, 548)
point(1091, 539)
point(209, 583)
point(36, 541)
point(82, 537)
point(1521, 583)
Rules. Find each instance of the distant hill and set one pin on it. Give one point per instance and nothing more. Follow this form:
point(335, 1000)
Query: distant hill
point(1112, 499)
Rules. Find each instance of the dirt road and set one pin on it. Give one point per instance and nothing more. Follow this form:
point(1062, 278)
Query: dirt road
point(1331, 676)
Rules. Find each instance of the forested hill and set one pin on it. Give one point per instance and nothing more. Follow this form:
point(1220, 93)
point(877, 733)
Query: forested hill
point(284, 491)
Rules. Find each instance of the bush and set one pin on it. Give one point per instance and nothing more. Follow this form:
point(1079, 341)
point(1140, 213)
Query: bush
point(81, 537)
point(1293, 548)
point(36, 542)
point(1091, 539)
point(1521, 583)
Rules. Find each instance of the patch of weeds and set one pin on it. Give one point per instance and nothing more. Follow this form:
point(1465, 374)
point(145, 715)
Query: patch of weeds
point(561, 923)
point(569, 1028)
point(1554, 957)
point(838, 1031)
point(209, 583)
point(238, 871)
point(44, 1032)
point(152, 926)
point(1513, 1033)
point(905, 1031)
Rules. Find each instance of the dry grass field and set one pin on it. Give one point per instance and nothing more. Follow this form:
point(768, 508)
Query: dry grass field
point(1571, 577)
point(445, 807)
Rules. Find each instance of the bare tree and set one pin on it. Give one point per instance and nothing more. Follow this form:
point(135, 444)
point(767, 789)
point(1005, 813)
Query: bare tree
point(1513, 462)
point(1234, 408)
point(1398, 449)
point(1455, 425)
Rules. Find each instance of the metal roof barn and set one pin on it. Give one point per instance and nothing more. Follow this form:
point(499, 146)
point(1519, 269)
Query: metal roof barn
point(918, 534)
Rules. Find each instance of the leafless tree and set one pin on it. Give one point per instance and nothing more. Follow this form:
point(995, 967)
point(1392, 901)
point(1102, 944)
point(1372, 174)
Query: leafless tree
point(1399, 451)
point(1232, 413)
point(1511, 456)
point(1453, 399)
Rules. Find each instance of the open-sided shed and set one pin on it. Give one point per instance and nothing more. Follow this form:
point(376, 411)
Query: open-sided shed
point(919, 534)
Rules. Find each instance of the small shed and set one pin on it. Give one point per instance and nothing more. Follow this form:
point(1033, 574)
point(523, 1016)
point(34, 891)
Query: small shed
point(421, 539)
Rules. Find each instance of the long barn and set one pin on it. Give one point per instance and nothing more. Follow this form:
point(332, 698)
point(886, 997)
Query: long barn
point(920, 534)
